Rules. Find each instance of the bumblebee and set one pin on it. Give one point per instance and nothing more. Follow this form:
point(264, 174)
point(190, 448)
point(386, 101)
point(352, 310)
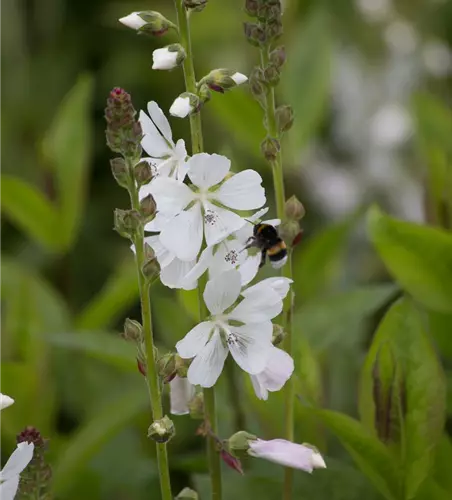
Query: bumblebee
point(266, 238)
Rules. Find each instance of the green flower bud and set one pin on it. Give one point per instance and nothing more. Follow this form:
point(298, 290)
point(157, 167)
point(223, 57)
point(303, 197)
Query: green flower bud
point(204, 93)
point(252, 7)
point(182, 366)
point(196, 5)
point(132, 330)
point(270, 148)
point(151, 269)
point(127, 223)
point(167, 367)
point(278, 56)
point(278, 334)
point(162, 430)
point(238, 443)
point(255, 34)
point(273, 30)
point(187, 494)
point(148, 207)
point(294, 209)
point(120, 171)
point(142, 173)
point(148, 22)
point(289, 232)
point(223, 79)
point(284, 118)
point(271, 75)
point(196, 406)
point(258, 86)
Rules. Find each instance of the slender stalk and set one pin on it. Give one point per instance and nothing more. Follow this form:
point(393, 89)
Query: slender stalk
point(280, 197)
point(234, 395)
point(197, 147)
point(152, 379)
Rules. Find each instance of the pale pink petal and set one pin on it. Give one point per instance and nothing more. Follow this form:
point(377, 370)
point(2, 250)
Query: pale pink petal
point(195, 340)
point(243, 191)
point(222, 291)
point(259, 389)
point(206, 170)
point(219, 223)
point(278, 370)
point(181, 392)
point(208, 364)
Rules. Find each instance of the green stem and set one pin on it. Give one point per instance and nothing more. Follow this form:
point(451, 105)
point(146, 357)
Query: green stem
point(152, 379)
point(280, 197)
point(197, 147)
point(234, 395)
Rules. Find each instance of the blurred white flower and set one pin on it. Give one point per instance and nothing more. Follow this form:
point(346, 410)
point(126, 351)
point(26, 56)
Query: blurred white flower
point(401, 38)
point(195, 210)
point(181, 107)
point(250, 344)
point(374, 11)
point(5, 401)
point(9, 475)
point(391, 126)
point(181, 392)
point(437, 58)
point(167, 158)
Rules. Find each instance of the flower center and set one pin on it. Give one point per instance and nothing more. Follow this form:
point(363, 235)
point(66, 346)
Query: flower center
point(210, 217)
point(232, 257)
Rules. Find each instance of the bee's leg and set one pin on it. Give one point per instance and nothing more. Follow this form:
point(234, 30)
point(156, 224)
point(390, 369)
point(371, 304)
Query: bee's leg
point(263, 257)
point(250, 242)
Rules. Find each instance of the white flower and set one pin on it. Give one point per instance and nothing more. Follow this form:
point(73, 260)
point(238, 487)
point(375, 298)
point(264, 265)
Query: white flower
point(5, 401)
point(181, 392)
point(239, 78)
point(280, 451)
point(245, 330)
point(181, 107)
point(167, 158)
point(9, 475)
point(391, 126)
point(375, 11)
point(133, 21)
point(196, 210)
point(164, 58)
point(401, 38)
point(278, 370)
point(437, 58)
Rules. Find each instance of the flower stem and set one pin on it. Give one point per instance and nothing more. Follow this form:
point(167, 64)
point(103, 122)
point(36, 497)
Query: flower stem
point(197, 147)
point(152, 379)
point(280, 197)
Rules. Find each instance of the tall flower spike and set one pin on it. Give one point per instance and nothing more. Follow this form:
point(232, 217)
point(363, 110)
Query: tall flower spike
point(195, 210)
point(249, 344)
point(166, 157)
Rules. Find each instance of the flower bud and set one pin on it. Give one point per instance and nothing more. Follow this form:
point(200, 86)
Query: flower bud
point(123, 132)
point(252, 7)
point(294, 209)
point(127, 222)
point(255, 34)
point(273, 30)
point(284, 118)
point(223, 79)
point(270, 148)
point(120, 171)
point(168, 57)
point(148, 207)
point(278, 334)
point(185, 105)
point(289, 231)
point(231, 461)
point(257, 85)
point(278, 56)
point(141, 365)
point(271, 75)
point(151, 268)
point(196, 5)
point(187, 494)
point(132, 330)
point(142, 173)
point(269, 11)
point(239, 442)
point(162, 430)
point(182, 366)
point(196, 406)
point(149, 22)
point(204, 93)
point(167, 367)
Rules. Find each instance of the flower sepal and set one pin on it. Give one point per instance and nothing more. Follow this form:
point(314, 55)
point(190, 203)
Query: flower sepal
point(162, 430)
point(195, 5)
point(120, 171)
point(238, 443)
point(187, 494)
point(127, 223)
point(220, 80)
point(133, 330)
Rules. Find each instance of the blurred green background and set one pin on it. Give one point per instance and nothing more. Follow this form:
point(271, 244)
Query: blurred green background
point(370, 84)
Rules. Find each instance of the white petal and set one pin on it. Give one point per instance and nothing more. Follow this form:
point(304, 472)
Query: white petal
point(181, 392)
point(173, 275)
point(180, 153)
point(201, 266)
point(160, 120)
point(278, 284)
point(249, 269)
point(239, 78)
point(133, 21)
point(163, 256)
point(8, 489)
point(208, 364)
point(227, 256)
point(278, 370)
point(183, 234)
point(260, 391)
point(243, 191)
point(195, 340)
point(181, 107)
point(170, 195)
point(206, 170)
point(153, 142)
point(222, 291)
point(164, 59)
point(317, 461)
point(219, 223)
point(258, 307)
point(252, 346)
point(18, 460)
point(158, 222)
point(5, 401)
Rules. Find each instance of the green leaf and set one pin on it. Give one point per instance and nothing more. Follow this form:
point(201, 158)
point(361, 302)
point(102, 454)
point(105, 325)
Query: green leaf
point(440, 328)
point(419, 257)
point(403, 390)
point(443, 459)
point(370, 455)
point(88, 440)
point(117, 295)
point(67, 146)
point(306, 78)
point(31, 211)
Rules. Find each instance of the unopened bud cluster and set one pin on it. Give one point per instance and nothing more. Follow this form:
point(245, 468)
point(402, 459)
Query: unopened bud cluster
point(162, 430)
point(267, 26)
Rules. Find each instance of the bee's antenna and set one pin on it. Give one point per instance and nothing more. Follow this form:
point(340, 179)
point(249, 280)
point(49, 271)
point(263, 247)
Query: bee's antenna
point(251, 222)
